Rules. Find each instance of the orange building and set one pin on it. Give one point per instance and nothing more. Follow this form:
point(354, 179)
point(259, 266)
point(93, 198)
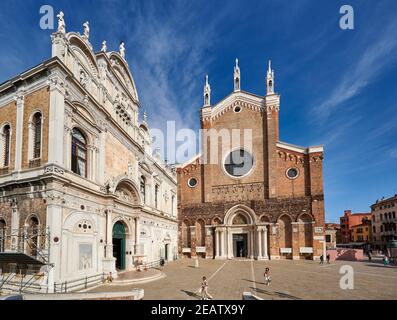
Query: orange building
point(348, 221)
point(362, 232)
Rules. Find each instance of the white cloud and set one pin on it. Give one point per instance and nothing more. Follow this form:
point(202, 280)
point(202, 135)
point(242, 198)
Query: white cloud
point(168, 52)
point(374, 59)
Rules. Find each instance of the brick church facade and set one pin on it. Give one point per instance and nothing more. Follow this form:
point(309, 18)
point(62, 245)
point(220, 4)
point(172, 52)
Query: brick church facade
point(268, 205)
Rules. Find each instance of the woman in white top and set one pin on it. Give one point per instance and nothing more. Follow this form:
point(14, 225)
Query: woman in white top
point(204, 290)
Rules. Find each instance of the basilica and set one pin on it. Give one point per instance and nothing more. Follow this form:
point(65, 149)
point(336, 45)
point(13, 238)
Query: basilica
point(254, 197)
point(81, 192)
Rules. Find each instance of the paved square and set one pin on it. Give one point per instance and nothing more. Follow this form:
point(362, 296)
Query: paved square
point(290, 280)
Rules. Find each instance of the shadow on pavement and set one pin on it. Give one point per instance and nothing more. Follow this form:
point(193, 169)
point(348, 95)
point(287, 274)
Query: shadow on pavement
point(276, 294)
point(254, 281)
point(190, 293)
point(381, 266)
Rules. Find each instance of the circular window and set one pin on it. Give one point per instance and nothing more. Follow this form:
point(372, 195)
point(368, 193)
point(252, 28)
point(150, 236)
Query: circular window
point(238, 163)
point(237, 109)
point(192, 182)
point(292, 173)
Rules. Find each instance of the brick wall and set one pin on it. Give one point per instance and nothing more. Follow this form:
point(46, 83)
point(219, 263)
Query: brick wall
point(36, 101)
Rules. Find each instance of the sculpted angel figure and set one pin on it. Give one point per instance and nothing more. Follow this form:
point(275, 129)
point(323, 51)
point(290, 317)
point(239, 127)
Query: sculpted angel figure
point(122, 49)
point(86, 33)
point(104, 47)
point(61, 22)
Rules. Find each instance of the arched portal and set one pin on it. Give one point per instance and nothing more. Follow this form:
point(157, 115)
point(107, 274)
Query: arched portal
point(285, 236)
point(119, 241)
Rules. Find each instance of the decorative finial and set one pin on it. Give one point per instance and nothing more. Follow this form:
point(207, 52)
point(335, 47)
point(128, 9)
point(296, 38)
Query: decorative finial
point(122, 49)
point(86, 31)
point(270, 79)
point(207, 92)
point(61, 22)
point(144, 116)
point(104, 47)
point(237, 77)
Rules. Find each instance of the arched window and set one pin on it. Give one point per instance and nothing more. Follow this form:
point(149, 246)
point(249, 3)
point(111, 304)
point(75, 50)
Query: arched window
point(79, 153)
point(156, 195)
point(143, 188)
point(36, 137)
point(6, 140)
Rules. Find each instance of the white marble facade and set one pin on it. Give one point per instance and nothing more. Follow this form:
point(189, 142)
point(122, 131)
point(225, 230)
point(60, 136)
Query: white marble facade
point(119, 181)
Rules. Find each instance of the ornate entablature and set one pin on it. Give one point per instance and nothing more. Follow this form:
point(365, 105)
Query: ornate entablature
point(296, 154)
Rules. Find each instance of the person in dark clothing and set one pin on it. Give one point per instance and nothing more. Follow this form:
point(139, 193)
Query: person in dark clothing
point(322, 259)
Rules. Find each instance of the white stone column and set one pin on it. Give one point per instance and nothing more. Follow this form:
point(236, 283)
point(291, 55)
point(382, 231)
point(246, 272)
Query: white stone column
point(217, 251)
point(14, 227)
point(68, 148)
point(56, 120)
point(19, 131)
point(101, 158)
point(109, 234)
point(229, 239)
point(259, 233)
point(137, 235)
point(109, 262)
point(265, 254)
point(54, 223)
point(251, 236)
point(222, 242)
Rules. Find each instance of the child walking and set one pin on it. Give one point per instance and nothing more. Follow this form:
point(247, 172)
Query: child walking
point(204, 290)
point(267, 277)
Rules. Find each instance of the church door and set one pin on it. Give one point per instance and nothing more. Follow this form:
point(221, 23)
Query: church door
point(240, 247)
point(119, 245)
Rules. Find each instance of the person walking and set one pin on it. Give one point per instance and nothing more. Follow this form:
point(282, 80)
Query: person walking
point(322, 259)
point(369, 256)
point(204, 290)
point(267, 277)
point(328, 258)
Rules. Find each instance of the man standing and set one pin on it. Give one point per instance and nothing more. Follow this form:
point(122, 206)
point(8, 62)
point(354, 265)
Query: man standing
point(322, 259)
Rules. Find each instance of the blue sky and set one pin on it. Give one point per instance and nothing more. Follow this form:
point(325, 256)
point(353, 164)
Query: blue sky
point(338, 87)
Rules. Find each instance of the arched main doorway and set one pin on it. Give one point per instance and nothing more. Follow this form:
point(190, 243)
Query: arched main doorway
point(118, 240)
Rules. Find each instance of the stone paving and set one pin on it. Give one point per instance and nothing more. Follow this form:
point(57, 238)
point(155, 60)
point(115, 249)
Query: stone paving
point(290, 280)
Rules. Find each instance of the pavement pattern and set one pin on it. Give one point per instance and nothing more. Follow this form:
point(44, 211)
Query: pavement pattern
point(291, 280)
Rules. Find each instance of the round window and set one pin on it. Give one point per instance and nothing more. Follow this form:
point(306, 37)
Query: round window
point(292, 173)
point(192, 182)
point(238, 163)
point(237, 109)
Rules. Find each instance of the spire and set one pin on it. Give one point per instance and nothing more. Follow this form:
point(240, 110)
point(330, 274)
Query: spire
point(236, 77)
point(270, 79)
point(144, 117)
point(207, 92)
